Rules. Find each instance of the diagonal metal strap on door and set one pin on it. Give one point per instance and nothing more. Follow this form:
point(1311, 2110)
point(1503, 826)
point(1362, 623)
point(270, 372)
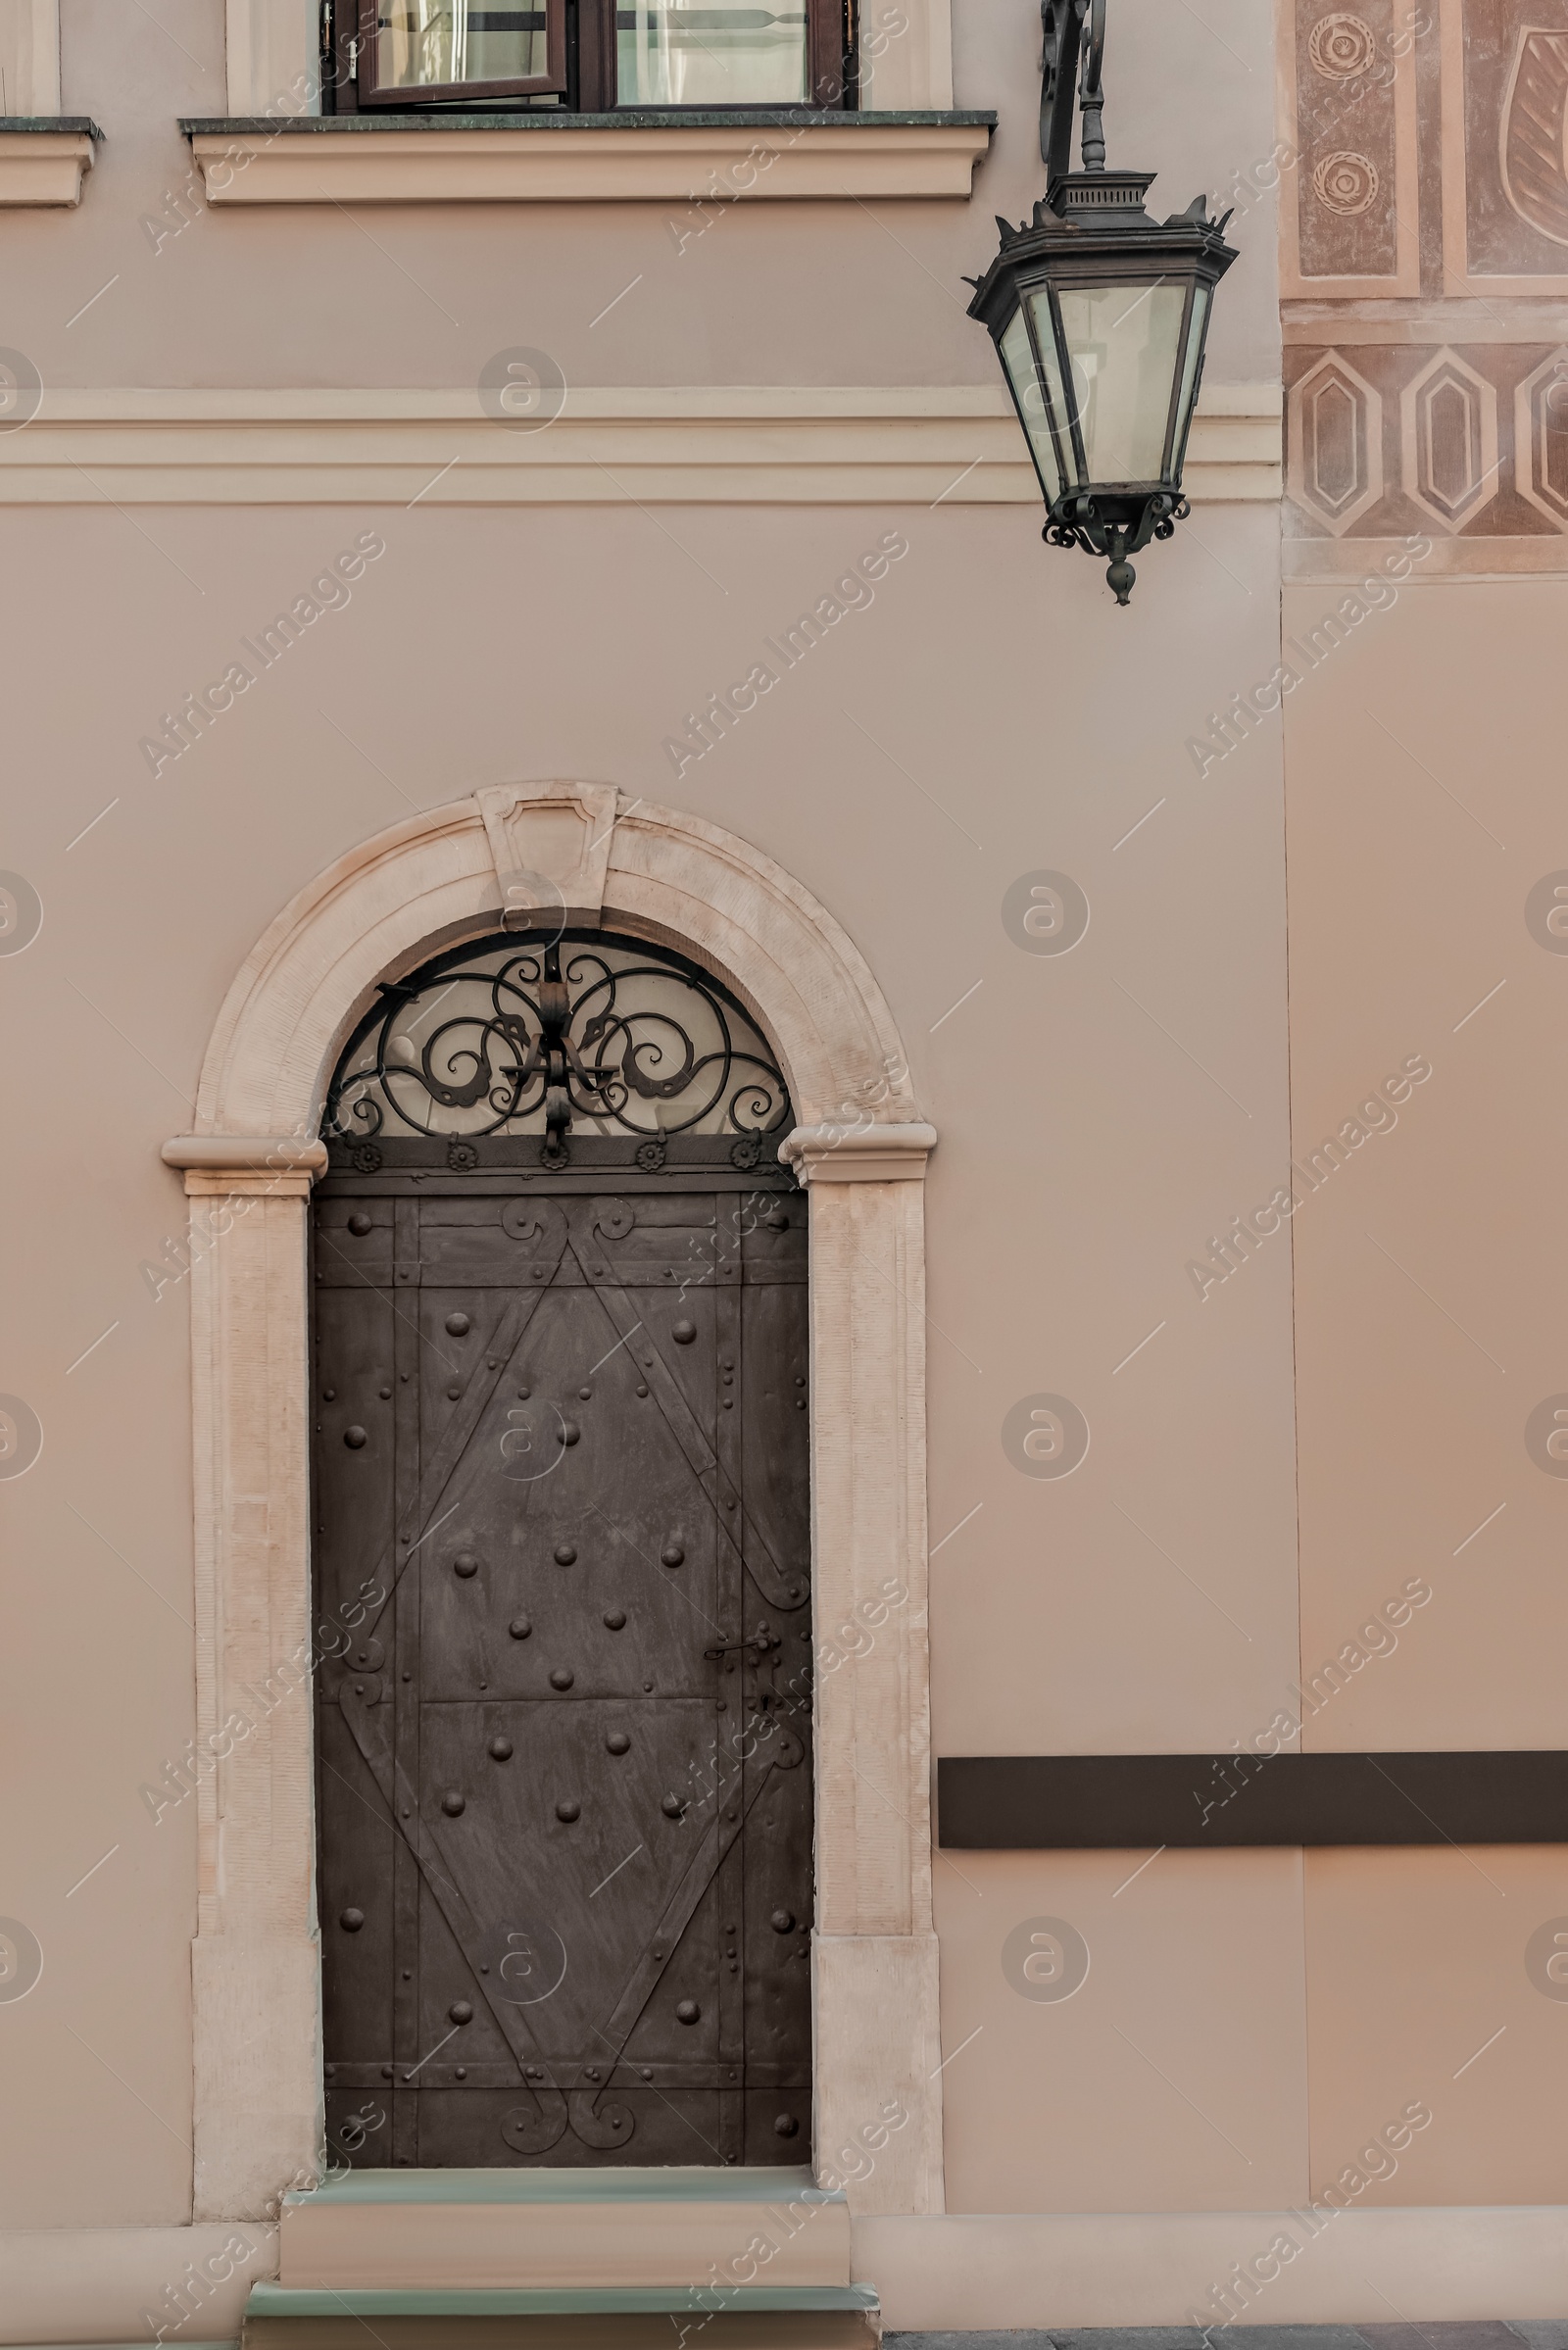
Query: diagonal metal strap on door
point(677, 1913)
point(752, 1546)
point(436, 1869)
point(505, 1340)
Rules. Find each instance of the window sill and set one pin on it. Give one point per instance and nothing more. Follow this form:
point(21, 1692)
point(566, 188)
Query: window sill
point(45, 157)
point(547, 157)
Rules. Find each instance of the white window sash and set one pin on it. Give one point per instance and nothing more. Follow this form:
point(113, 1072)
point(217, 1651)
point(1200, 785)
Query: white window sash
point(29, 57)
point(274, 55)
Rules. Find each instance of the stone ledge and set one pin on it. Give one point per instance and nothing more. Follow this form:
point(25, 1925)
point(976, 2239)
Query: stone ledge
point(562, 2232)
point(549, 157)
point(44, 158)
point(846, 2318)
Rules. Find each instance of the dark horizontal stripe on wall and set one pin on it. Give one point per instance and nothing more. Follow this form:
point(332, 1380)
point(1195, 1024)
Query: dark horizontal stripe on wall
point(1043, 1802)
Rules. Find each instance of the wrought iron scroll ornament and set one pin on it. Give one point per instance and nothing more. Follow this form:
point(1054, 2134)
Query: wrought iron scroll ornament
point(507, 1036)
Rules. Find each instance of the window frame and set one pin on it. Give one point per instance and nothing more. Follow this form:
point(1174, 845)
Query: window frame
point(581, 67)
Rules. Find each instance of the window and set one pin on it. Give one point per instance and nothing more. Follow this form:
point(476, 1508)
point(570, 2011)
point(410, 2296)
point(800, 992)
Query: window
point(588, 56)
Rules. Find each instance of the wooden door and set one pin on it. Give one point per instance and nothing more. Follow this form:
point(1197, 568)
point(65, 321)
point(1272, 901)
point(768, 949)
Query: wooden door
point(563, 1755)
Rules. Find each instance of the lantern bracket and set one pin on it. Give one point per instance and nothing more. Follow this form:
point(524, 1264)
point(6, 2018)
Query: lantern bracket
point(1073, 56)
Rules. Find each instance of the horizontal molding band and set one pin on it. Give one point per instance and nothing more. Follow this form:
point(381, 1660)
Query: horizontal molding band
point(545, 156)
point(1096, 1802)
point(742, 445)
point(1541, 555)
point(1465, 323)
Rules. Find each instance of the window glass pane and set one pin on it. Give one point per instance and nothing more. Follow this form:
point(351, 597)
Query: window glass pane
point(690, 53)
point(1019, 361)
point(1122, 341)
point(425, 42)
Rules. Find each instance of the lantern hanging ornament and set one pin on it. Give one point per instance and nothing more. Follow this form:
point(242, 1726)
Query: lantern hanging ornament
point(1099, 314)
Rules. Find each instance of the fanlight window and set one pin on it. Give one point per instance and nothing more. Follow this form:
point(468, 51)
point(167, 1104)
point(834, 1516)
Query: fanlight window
point(570, 1037)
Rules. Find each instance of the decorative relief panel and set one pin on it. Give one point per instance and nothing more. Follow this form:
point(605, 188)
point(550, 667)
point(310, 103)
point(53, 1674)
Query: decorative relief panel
point(1336, 443)
point(1469, 442)
point(1423, 149)
point(1349, 210)
point(1505, 145)
point(1540, 439)
point(1449, 439)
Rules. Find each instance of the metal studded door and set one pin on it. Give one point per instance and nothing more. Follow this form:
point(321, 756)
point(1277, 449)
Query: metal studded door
point(561, 1515)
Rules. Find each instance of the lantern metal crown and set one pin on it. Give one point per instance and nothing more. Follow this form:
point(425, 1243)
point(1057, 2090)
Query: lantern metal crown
point(1099, 314)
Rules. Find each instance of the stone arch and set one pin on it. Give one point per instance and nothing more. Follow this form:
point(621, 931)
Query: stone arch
point(656, 873)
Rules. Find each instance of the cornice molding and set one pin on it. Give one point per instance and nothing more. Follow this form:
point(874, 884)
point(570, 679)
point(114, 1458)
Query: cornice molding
point(712, 445)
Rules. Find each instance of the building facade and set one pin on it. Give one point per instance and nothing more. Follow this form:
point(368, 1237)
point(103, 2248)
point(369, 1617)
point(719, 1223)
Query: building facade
point(510, 527)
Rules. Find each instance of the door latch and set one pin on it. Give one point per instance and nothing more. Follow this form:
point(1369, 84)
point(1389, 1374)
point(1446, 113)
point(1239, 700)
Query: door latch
point(761, 1640)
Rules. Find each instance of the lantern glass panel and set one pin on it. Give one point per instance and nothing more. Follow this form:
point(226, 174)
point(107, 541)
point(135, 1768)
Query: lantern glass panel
point(1124, 342)
point(1038, 391)
point(1190, 369)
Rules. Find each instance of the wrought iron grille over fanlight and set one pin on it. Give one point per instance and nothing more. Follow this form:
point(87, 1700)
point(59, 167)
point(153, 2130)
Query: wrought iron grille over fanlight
point(1100, 313)
point(564, 1034)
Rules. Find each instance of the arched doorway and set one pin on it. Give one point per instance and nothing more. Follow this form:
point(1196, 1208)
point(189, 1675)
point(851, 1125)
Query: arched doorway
point(561, 1505)
point(669, 879)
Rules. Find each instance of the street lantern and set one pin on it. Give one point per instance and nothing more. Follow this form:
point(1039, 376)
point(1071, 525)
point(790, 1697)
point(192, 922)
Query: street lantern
point(1099, 314)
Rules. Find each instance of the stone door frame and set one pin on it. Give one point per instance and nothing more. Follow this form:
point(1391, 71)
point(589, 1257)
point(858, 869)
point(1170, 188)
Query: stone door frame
point(516, 853)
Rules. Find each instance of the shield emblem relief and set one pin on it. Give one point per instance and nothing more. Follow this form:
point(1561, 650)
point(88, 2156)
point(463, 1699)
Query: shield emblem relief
point(1534, 135)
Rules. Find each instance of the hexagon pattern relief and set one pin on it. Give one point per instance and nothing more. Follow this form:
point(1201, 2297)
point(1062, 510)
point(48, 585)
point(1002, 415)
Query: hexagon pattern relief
point(1336, 444)
point(1448, 440)
point(1540, 439)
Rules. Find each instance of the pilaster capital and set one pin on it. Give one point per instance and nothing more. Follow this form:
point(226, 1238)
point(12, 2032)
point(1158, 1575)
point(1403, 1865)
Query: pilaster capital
point(280, 1166)
point(856, 1153)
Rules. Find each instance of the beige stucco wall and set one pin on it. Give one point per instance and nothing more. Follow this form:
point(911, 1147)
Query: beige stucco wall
point(586, 675)
point(1422, 805)
point(1250, 2017)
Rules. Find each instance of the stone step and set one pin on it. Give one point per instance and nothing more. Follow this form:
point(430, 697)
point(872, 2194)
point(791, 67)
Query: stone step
point(552, 2230)
point(280, 2317)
